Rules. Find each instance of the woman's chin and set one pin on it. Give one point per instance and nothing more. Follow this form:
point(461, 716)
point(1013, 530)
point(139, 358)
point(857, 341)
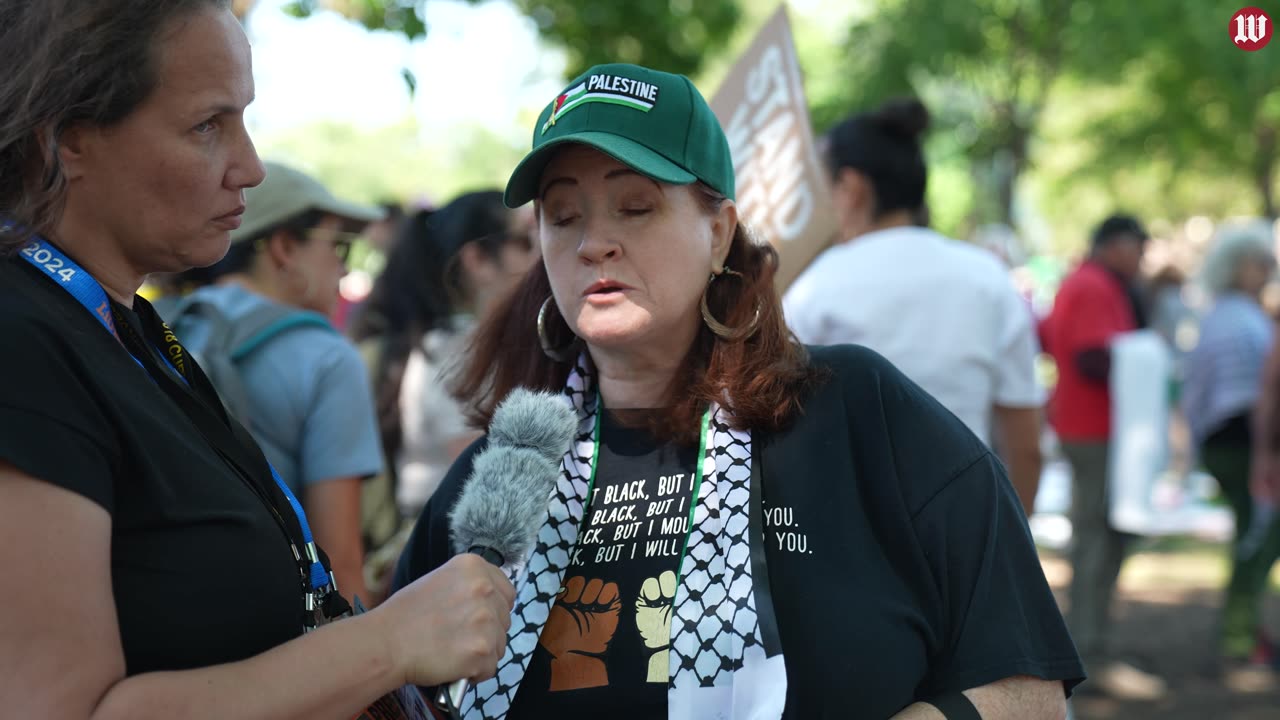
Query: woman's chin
point(612, 326)
point(612, 335)
point(208, 251)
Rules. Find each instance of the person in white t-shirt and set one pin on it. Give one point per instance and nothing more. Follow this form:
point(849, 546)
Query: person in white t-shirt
point(943, 311)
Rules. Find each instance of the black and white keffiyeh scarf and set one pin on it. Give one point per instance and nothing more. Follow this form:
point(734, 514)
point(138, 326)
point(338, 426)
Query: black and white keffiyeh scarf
point(718, 663)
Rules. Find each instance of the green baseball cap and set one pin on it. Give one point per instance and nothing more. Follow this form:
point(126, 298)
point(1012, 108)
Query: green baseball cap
point(286, 193)
point(656, 123)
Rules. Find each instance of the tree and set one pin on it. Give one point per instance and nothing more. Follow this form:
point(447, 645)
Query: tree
point(985, 68)
point(671, 35)
point(1196, 105)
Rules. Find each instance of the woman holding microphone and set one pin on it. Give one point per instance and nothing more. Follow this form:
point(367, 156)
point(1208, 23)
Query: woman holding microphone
point(153, 564)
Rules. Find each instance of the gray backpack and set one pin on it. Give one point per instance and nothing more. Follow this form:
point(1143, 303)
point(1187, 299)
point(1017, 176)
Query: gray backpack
point(228, 343)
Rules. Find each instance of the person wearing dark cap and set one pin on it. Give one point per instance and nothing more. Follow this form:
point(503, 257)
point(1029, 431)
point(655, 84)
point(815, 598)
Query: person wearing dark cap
point(744, 527)
point(944, 311)
point(1096, 303)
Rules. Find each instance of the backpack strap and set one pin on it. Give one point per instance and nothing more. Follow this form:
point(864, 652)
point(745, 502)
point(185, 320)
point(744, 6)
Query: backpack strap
point(236, 340)
point(259, 327)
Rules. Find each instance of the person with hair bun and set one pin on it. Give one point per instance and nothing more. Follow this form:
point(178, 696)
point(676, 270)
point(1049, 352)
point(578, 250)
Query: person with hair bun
point(744, 527)
point(944, 311)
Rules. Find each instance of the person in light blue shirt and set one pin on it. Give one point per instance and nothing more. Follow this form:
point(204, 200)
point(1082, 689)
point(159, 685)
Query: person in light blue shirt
point(260, 320)
point(311, 419)
point(1223, 382)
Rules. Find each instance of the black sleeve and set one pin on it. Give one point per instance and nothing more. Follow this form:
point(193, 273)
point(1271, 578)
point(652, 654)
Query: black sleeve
point(57, 452)
point(1000, 616)
point(429, 546)
point(1094, 364)
point(53, 429)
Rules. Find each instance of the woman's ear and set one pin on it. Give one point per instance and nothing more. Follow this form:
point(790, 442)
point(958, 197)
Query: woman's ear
point(471, 258)
point(280, 248)
point(70, 147)
point(724, 225)
point(858, 189)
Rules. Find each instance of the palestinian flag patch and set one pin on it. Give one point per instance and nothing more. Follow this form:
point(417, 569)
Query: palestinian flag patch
point(612, 89)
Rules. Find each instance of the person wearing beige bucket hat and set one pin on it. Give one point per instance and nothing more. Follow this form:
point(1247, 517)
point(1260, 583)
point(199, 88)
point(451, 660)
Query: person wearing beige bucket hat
point(258, 323)
point(744, 527)
point(292, 240)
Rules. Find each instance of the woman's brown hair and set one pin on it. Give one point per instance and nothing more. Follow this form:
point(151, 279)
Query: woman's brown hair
point(761, 380)
point(68, 62)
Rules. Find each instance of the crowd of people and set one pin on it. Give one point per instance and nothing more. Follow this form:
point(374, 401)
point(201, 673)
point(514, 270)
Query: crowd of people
point(251, 481)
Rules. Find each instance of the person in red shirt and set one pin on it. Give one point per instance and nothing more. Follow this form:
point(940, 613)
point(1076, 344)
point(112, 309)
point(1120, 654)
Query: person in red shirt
point(1095, 303)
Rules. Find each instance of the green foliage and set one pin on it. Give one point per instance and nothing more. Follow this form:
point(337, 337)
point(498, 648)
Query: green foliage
point(671, 35)
point(1046, 113)
point(397, 162)
point(402, 16)
point(1190, 104)
point(985, 69)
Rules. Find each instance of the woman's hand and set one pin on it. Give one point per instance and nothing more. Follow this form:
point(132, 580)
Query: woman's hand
point(450, 624)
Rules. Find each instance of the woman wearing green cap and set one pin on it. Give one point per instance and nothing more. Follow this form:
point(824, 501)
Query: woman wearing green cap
point(153, 563)
point(744, 527)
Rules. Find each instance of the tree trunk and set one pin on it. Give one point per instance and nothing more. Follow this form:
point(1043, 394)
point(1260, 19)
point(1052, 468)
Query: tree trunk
point(1264, 170)
point(1010, 164)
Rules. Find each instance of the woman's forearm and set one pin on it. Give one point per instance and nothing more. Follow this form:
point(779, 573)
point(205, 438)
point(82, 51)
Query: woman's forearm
point(919, 711)
point(1015, 698)
point(333, 672)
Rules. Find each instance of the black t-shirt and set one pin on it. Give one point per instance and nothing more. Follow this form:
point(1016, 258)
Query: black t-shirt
point(603, 652)
point(901, 566)
point(201, 572)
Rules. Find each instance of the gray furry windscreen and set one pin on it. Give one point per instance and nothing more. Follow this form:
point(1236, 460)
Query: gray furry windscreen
point(504, 500)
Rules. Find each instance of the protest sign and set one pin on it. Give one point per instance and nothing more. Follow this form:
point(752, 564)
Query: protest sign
point(783, 191)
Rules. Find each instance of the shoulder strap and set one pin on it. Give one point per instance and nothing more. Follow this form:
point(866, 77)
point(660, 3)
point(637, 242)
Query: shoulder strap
point(759, 547)
point(228, 342)
point(262, 325)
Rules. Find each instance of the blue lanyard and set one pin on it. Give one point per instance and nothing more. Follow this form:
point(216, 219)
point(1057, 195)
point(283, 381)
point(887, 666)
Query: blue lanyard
point(79, 284)
point(88, 292)
point(72, 278)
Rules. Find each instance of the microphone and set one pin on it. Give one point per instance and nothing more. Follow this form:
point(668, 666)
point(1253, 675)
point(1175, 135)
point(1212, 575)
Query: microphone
point(504, 500)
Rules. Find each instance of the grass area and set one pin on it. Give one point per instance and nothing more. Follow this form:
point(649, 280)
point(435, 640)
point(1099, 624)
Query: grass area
point(1175, 563)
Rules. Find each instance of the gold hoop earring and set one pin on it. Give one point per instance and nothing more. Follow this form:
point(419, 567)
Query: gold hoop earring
point(565, 353)
point(720, 329)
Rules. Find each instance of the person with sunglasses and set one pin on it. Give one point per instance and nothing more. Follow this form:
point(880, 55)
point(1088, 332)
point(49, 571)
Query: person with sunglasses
point(261, 314)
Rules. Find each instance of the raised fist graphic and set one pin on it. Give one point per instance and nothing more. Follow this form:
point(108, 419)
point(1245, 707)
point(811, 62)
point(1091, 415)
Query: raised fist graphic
point(578, 631)
point(653, 618)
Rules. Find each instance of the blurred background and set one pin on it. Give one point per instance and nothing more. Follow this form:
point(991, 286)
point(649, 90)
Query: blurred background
point(1047, 116)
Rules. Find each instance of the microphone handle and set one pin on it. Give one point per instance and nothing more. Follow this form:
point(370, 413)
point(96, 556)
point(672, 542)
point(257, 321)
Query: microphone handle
point(449, 697)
